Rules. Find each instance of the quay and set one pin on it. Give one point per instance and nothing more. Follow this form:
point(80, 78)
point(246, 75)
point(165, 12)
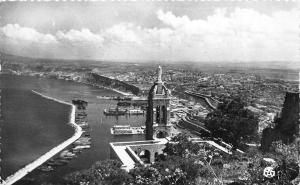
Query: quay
point(198, 127)
point(205, 97)
point(42, 159)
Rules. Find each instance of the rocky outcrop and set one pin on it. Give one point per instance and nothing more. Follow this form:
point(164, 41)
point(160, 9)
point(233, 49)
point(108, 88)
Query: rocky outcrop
point(286, 125)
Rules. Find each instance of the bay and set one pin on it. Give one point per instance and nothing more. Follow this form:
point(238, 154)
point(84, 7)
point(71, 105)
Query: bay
point(66, 91)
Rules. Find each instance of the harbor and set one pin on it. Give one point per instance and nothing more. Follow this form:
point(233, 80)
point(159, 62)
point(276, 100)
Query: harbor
point(96, 125)
point(99, 127)
point(149, 92)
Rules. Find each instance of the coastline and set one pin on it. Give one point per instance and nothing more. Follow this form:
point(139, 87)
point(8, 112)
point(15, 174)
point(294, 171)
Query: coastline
point(82, 82)
point(43, 158)
point(108, 88)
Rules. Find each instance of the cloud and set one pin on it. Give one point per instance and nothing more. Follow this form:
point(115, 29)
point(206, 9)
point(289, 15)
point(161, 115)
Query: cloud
point(242, 35)
point(122, 33)
point(15, 32)
point(238, 35)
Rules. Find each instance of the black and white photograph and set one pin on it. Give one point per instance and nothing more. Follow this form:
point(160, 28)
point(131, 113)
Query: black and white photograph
point(149, 92)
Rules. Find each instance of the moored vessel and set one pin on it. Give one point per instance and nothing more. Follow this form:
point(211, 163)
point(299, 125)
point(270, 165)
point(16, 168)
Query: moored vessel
point(114, 111)
point(135, 111)
point(126, 130)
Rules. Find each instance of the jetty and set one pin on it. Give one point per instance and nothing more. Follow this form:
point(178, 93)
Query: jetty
point(42, 159)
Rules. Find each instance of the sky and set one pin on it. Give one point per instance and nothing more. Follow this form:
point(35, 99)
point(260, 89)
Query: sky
point(210, 31)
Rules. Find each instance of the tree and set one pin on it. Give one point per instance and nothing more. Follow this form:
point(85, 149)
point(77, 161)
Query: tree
point(233, 122)
point(106, 172)
point(285, 165)
point(145, 175)
point(183, 170)
point(285, 172)
point(180, 145)
point(187, 156)
point(175, 170)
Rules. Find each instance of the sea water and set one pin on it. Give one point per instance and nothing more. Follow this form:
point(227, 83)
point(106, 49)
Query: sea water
point(36, 124)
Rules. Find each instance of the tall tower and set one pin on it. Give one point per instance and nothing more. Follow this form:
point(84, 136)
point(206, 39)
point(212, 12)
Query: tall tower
point(158, 111)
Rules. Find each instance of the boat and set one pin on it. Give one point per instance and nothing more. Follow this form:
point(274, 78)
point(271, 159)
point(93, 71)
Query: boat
point(55, 163)
point(64, 161)
point(83, 141)
point(82, 114)
point(127, 130)
point(86, 134)
point(135, 111)
point(46, 168)
point(83, 125)
point(80, 147)
point(114, 111)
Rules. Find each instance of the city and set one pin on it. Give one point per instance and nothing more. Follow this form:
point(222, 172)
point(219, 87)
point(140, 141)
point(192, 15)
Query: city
point(194, 95)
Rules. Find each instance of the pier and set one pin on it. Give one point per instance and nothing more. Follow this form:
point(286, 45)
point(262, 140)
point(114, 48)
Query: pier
point(42, 159)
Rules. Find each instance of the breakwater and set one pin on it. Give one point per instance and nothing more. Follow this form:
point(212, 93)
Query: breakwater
point(42, 159)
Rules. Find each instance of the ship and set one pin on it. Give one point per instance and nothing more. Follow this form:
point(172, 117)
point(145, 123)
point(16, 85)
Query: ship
point(127, 130)
point(45, 168)
point(135, 111)
point(114, 111)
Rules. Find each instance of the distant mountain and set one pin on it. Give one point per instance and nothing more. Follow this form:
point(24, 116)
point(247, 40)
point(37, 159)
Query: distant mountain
point(204, 65)
point(22, 59)
point(9, 57)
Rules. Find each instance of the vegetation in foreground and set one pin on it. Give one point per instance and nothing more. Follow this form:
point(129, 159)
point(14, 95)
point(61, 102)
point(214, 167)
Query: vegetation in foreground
point(185, 162)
